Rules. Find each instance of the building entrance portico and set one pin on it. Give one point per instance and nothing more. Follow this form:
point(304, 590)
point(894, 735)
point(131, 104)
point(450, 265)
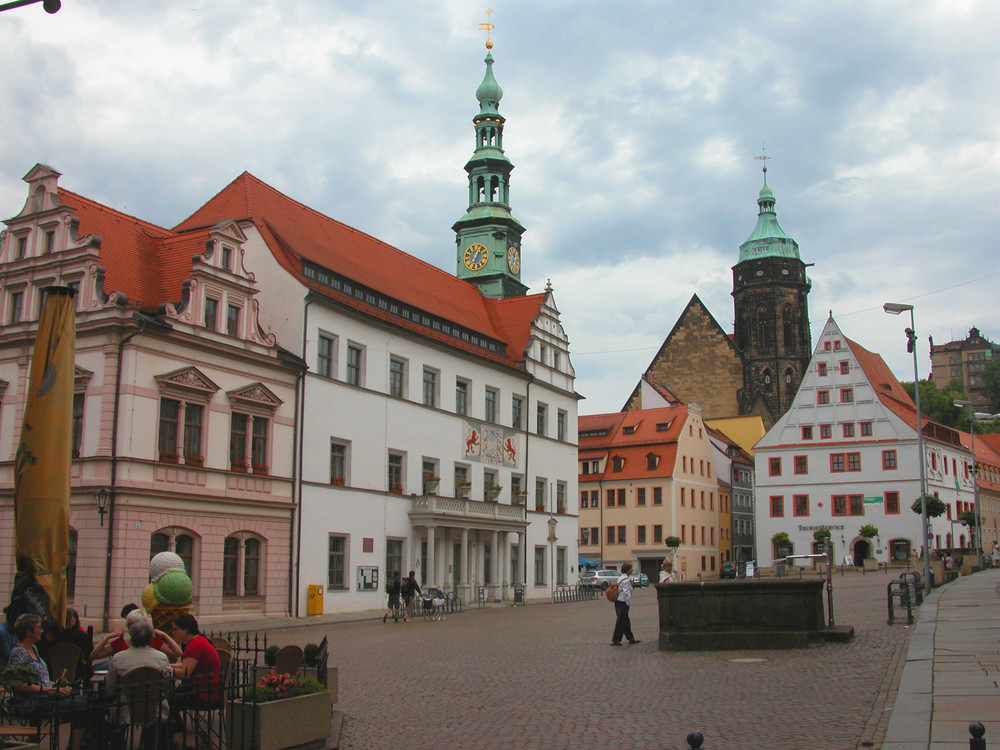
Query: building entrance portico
point(479, 535)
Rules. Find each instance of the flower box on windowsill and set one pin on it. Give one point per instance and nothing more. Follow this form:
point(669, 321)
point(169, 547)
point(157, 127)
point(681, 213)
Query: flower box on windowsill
point(462, 489)
point(561, 510)
point(170, 458)
point(260, 468)
point(396, 489)
point(431, 484)
point(492, 493)
point(237, 466)
point(194, 460)
point(520, 498)
point(339, 481)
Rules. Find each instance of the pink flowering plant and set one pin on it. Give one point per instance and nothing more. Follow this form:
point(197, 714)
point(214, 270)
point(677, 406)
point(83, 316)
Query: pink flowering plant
point(275, 687)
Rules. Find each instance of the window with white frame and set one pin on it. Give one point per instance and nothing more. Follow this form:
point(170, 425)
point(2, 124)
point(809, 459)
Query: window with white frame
point(339, 464)
point(490, 413)
point(396, 471)
point(242, 554)
point(178, 540)
point(233, 315)
point(540, 565)
point(517, 413)
point(326, 353)
point(540, 484)
point(211, 313)
point(430, 387)
point(337, 551)
point(355, 364)
point(541, 418)
point(561, 418)
point(461, 396)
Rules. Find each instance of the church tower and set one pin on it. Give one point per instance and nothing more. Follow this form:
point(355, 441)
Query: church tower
point(488, 236)
point(770, 291)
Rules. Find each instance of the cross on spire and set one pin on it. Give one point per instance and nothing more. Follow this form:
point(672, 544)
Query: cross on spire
point(488, 28)
point(764, 158)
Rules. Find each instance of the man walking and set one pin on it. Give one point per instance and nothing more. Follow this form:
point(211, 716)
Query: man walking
point(408, 588)
point(623, 625)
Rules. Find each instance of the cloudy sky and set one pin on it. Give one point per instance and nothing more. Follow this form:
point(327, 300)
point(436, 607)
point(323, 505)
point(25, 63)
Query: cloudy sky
point(633, 127)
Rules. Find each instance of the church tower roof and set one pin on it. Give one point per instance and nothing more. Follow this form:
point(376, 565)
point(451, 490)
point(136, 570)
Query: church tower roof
point(768, 239)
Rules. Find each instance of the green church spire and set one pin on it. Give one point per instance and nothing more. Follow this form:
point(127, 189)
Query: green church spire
point(768, 239)
point(488, 236)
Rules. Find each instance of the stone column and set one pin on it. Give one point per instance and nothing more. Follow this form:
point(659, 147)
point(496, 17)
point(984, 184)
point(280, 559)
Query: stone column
point(430, 567)
point(463, 585)
point(521, 562)
point(494, 566)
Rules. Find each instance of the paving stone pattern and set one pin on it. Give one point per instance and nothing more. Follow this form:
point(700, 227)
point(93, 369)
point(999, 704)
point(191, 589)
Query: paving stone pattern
point(545, 676)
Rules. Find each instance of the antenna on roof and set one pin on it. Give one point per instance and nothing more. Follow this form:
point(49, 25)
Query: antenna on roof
point(764, 158)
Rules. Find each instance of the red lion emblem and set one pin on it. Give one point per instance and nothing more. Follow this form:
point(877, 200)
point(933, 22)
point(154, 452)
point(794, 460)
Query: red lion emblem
point(471, 443)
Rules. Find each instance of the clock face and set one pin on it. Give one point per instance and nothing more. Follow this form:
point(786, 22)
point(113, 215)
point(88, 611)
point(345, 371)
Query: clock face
point(513, 260)
point(476, 256)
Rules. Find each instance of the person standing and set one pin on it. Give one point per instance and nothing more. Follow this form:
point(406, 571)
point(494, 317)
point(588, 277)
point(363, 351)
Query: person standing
point(408, 588)
point(667, 574)
point(392, 589)
point(623, 625)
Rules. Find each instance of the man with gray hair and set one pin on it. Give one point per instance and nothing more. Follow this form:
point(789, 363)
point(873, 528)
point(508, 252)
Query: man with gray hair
point(140, 654)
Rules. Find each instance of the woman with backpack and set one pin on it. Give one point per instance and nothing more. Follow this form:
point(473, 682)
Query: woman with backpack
point(392, 589)
point(623, 625)
point(408, 588)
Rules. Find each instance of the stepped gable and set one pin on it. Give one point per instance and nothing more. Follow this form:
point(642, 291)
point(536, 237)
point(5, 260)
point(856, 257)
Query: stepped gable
point(294, 232)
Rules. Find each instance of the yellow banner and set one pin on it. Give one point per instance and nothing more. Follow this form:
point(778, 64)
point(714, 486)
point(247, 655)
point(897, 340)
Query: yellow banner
point(43, 462)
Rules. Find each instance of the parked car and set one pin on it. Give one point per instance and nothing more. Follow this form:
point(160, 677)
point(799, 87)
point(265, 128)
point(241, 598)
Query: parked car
point(599, 579)
point(728, 570)
point(639, 580)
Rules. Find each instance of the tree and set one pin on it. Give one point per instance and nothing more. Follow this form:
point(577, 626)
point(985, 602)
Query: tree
point(991, 383)
point(780, 538)
point(939, 404)
point(673, 542)
point(868, 531)
point(821, 535)
point(935, 506)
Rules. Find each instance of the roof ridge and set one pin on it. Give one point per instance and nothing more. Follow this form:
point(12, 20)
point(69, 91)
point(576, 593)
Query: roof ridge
point(122, 214)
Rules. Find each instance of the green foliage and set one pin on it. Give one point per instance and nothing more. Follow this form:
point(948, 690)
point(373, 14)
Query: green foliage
point(307, 686)
point(270, 654)
point(780, 538)
point(258, 694)
point(968, 518)
point(310, 652)
point(820, 534)
point(939, 404)
point(935, 506)
point(673, 542)
point(991, 383)
point(15, 675)
point(868, 531)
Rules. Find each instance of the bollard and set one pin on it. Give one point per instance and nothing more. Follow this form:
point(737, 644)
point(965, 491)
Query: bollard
point(977, 730)
point(694, 740)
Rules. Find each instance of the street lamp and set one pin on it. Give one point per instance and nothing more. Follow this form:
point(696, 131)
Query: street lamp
point(50, 6)
point(975, 478)
point(895, 308)
point(102, 502)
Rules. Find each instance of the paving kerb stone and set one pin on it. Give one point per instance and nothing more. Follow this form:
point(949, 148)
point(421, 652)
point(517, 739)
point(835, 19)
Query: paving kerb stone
point(544, 676)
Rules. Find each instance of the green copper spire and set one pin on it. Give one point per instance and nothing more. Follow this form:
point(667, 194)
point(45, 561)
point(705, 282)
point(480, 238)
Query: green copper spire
point(768, 240)
point(488, 236)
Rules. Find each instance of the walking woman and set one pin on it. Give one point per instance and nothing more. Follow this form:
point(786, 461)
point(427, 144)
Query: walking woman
point(392, 588)
point(623, 625)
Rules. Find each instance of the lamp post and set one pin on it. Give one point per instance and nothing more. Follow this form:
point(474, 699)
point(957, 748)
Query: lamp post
point(102, 502)
point(975, 479)
point(895, 308)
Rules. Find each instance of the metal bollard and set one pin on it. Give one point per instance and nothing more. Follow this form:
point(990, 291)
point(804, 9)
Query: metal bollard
point(694, 740)
point(977, 730)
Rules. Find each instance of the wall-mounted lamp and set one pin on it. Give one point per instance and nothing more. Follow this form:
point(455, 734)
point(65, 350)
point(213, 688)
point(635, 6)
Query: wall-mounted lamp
point(102, 502)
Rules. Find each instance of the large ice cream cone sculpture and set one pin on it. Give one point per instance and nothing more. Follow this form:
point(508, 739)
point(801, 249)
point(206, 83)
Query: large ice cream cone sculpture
point(169, 591)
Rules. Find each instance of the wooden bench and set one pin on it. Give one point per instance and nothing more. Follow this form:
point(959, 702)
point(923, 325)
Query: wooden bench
point(19, 731)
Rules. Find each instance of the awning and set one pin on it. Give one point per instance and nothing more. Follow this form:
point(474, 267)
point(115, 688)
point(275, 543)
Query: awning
point(586, 563)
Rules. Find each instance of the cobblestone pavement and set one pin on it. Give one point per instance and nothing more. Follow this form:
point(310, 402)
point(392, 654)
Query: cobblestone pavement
point(544, 676)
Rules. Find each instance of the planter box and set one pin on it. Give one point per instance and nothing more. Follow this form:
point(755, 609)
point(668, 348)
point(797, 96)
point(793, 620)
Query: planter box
point(260, 672)
point(299, 723)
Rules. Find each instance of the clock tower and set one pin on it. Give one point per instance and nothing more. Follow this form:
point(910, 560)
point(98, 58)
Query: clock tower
point(770, 292)
point(488, 236)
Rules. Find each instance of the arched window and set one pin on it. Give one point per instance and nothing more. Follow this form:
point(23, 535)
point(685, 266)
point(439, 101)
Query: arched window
point(178, 540)
point(789, 374)
point(767, 380)
point(241, 563)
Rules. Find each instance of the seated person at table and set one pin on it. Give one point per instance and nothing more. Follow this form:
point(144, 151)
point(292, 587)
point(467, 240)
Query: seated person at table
point(37, 700)
point(75, 634)
point(117, 640)
point(139, 654)
point(199, 667)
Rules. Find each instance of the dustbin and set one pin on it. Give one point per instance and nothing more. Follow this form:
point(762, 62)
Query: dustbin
point(314, 601)
point(779, 570)
point(519, 595)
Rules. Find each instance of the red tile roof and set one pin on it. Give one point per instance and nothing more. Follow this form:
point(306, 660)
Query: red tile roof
point(633, 435)
point(294, 232)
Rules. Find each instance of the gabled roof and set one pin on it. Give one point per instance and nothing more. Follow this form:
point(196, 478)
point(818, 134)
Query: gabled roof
point(295, 233)
point(633, 435)
point(694, 303)
point(145, 262)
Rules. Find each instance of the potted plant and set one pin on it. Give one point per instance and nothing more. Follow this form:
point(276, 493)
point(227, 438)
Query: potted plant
point(396, 489)
point(194, 460)
point(260, 468)
point(338, 480)
point(10, 676)
point(280, 711)
point(520, 498)
point(463, 488)
point(170, 457)
point(431, 484)
point(492, 492)
point(237, 465)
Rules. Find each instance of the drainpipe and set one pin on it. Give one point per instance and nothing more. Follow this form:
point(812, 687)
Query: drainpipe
point(114, 467)
point(295, 565)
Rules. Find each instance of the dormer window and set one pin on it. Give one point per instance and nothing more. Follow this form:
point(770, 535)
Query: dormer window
point(50, 240)
point(618, 463)
point(652, 461)
point(233, 320)
point(211, 314)
point(227, 257)
point(629, 429)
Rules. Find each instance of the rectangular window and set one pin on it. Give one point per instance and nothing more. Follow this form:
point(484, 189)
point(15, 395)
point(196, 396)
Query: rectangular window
point(854, 462)
point(846, 395)
point(233, 320)
point(640, 534)
point(585, 535)
point(888, 460)
point(16, 307)
point(839, 505)
point(560, 497)
point(801, 464)
point(212, 318)
point(193, 418)
point(461, 396)
point(822, 366)
point(230, 565)
point(540, 566)
point(22, 247)
point(836, 462)
point(892, 502)
point(657, 496)
point(227, 257)
point(857, 505)
point(77, 424)
point(561, 425)
point(849, 430)
point(355, 365)
point(657, 534)
point(777, 507)
point(338, 463)
point(540, 483)
point(825, 432)
point(430, 387)
point(823, 397)
point(394, 475)
point(461, 477)
point(397, 377)
point(845, 368)
point(621, 497)
point(610, 498)
point(50, 241)
point(801, 503)
point(807, 432)
point(169, 424)
point(251, 567)
point(640, 495)
point(517, 413)
point(336, 577)
point(610, 534)
point(540, 419)
point(491, 405)
point(774, 467)
point(238, 441)
point(621, 535)
point(324, 356)
point(258, 445)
